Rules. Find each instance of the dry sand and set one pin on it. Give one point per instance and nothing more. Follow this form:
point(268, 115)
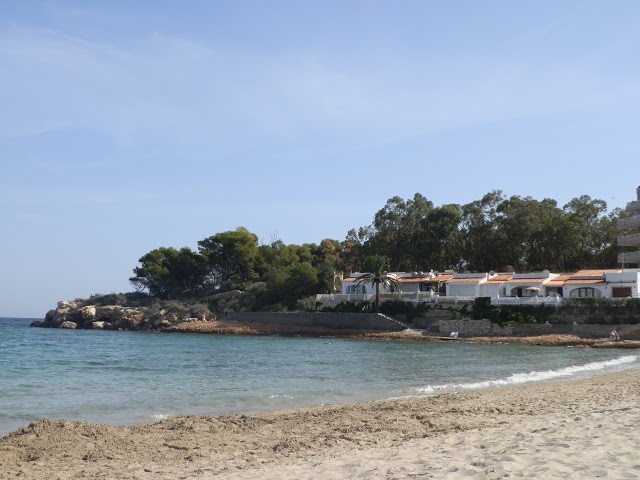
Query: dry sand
point(583, 429)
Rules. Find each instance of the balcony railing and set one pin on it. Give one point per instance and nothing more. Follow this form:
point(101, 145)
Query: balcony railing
point(526, 300)
point(414, 297)
point(629, 240)
point(633, 206)
point(629, 257)
point(426, 297)
point(631, 222)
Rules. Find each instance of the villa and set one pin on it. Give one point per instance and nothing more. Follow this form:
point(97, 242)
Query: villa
point(428, 283)
point(612, 283)
point(502, 288)
point(512, 288)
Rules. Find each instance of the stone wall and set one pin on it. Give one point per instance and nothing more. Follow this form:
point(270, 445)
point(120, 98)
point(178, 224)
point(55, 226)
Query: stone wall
point(484, 328)
point(434, 314)
point(338, 321)
point(600, 318)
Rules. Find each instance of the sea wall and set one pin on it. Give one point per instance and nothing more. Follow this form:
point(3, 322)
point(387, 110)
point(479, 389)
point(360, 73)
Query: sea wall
point(336, 321)
point(484, 328)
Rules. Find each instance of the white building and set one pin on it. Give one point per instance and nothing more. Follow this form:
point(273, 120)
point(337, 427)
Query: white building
point(466, 284)
point(604, 283)
point(632, 239)
point(528, 284)
point(611, 283)
point(410, 282)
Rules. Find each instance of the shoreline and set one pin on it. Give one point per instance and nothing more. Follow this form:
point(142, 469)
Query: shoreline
point(543, 429)
point(223, 327)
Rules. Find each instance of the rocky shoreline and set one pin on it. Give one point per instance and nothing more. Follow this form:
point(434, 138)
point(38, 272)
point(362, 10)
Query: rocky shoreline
point(175, 317)
point(78, 315)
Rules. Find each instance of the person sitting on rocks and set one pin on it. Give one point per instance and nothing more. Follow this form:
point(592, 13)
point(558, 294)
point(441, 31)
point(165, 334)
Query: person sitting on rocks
point(613, 336)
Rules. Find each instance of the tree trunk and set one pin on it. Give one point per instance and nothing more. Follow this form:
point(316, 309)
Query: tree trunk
point(377, 297)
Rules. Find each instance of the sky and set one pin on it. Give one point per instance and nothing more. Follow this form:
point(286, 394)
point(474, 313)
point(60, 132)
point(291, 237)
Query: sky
point(128, 126)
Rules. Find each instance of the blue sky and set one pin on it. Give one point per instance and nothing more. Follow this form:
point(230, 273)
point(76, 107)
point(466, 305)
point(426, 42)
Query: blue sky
point(126, 126)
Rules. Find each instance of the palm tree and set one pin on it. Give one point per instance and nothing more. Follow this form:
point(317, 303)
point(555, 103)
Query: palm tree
point(377, 266)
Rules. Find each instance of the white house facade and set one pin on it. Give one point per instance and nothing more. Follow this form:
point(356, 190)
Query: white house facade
point(466, 284)
point(528, 284)
point(519, 287)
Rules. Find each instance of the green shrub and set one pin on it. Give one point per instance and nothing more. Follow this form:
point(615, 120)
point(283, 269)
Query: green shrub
point(350, 307)
point(483, 310)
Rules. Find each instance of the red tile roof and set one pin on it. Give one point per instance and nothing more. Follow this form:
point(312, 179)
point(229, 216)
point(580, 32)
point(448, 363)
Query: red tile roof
point(593, 274)
point(537, 281)
point(499, 279)
point(443, 278)
point(586, 281)
point(558, 281)
point(416, 280)
point(466, 280)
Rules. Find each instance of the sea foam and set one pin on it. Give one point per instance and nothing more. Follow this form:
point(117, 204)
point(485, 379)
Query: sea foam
point(531, 377)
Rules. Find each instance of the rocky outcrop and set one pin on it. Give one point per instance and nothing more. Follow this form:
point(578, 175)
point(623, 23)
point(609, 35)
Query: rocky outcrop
point(236, 300)
point(79, 315)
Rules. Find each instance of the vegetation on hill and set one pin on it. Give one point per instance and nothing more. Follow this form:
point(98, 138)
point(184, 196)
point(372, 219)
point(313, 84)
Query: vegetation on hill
point(494, 233)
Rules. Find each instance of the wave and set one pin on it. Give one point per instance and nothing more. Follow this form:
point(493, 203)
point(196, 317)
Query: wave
point(535, 376)
point(159, 416)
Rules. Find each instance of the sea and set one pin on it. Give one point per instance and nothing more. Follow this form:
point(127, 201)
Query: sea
point(123, 378)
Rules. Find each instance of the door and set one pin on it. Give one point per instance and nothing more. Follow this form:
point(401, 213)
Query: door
point(618, 292)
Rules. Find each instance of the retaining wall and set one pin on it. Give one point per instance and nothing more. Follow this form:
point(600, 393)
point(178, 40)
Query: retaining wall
point(337, 321)
point(438, 321)
point(484, 328)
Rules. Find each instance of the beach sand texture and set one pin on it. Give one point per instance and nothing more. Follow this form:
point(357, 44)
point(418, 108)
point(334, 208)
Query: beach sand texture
point(581, 429)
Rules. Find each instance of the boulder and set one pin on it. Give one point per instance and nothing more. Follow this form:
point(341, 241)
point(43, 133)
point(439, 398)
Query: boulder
point(129, 319)
point(70, 325)
point(58, 320)
point(99, 325)
point(108, 312)
point(39, 323)
point(88, 313)
point(65, 311)
point(161, 323)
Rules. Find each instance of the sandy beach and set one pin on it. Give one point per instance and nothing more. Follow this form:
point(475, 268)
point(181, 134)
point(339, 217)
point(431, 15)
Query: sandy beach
point(578, 429)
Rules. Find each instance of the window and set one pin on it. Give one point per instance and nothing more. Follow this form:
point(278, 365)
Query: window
point(356, 290)
point(585, 292)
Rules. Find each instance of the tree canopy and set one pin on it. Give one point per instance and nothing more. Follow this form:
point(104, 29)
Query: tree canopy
point(493, 233)
point(377, 274)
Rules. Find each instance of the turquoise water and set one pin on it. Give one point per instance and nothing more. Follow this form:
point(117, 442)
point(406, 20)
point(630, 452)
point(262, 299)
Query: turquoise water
point(129, 377)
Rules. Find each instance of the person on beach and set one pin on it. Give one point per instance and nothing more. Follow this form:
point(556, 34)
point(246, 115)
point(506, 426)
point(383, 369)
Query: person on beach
point(613, 336)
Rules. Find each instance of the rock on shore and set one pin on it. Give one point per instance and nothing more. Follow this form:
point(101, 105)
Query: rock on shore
point(78, 314)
